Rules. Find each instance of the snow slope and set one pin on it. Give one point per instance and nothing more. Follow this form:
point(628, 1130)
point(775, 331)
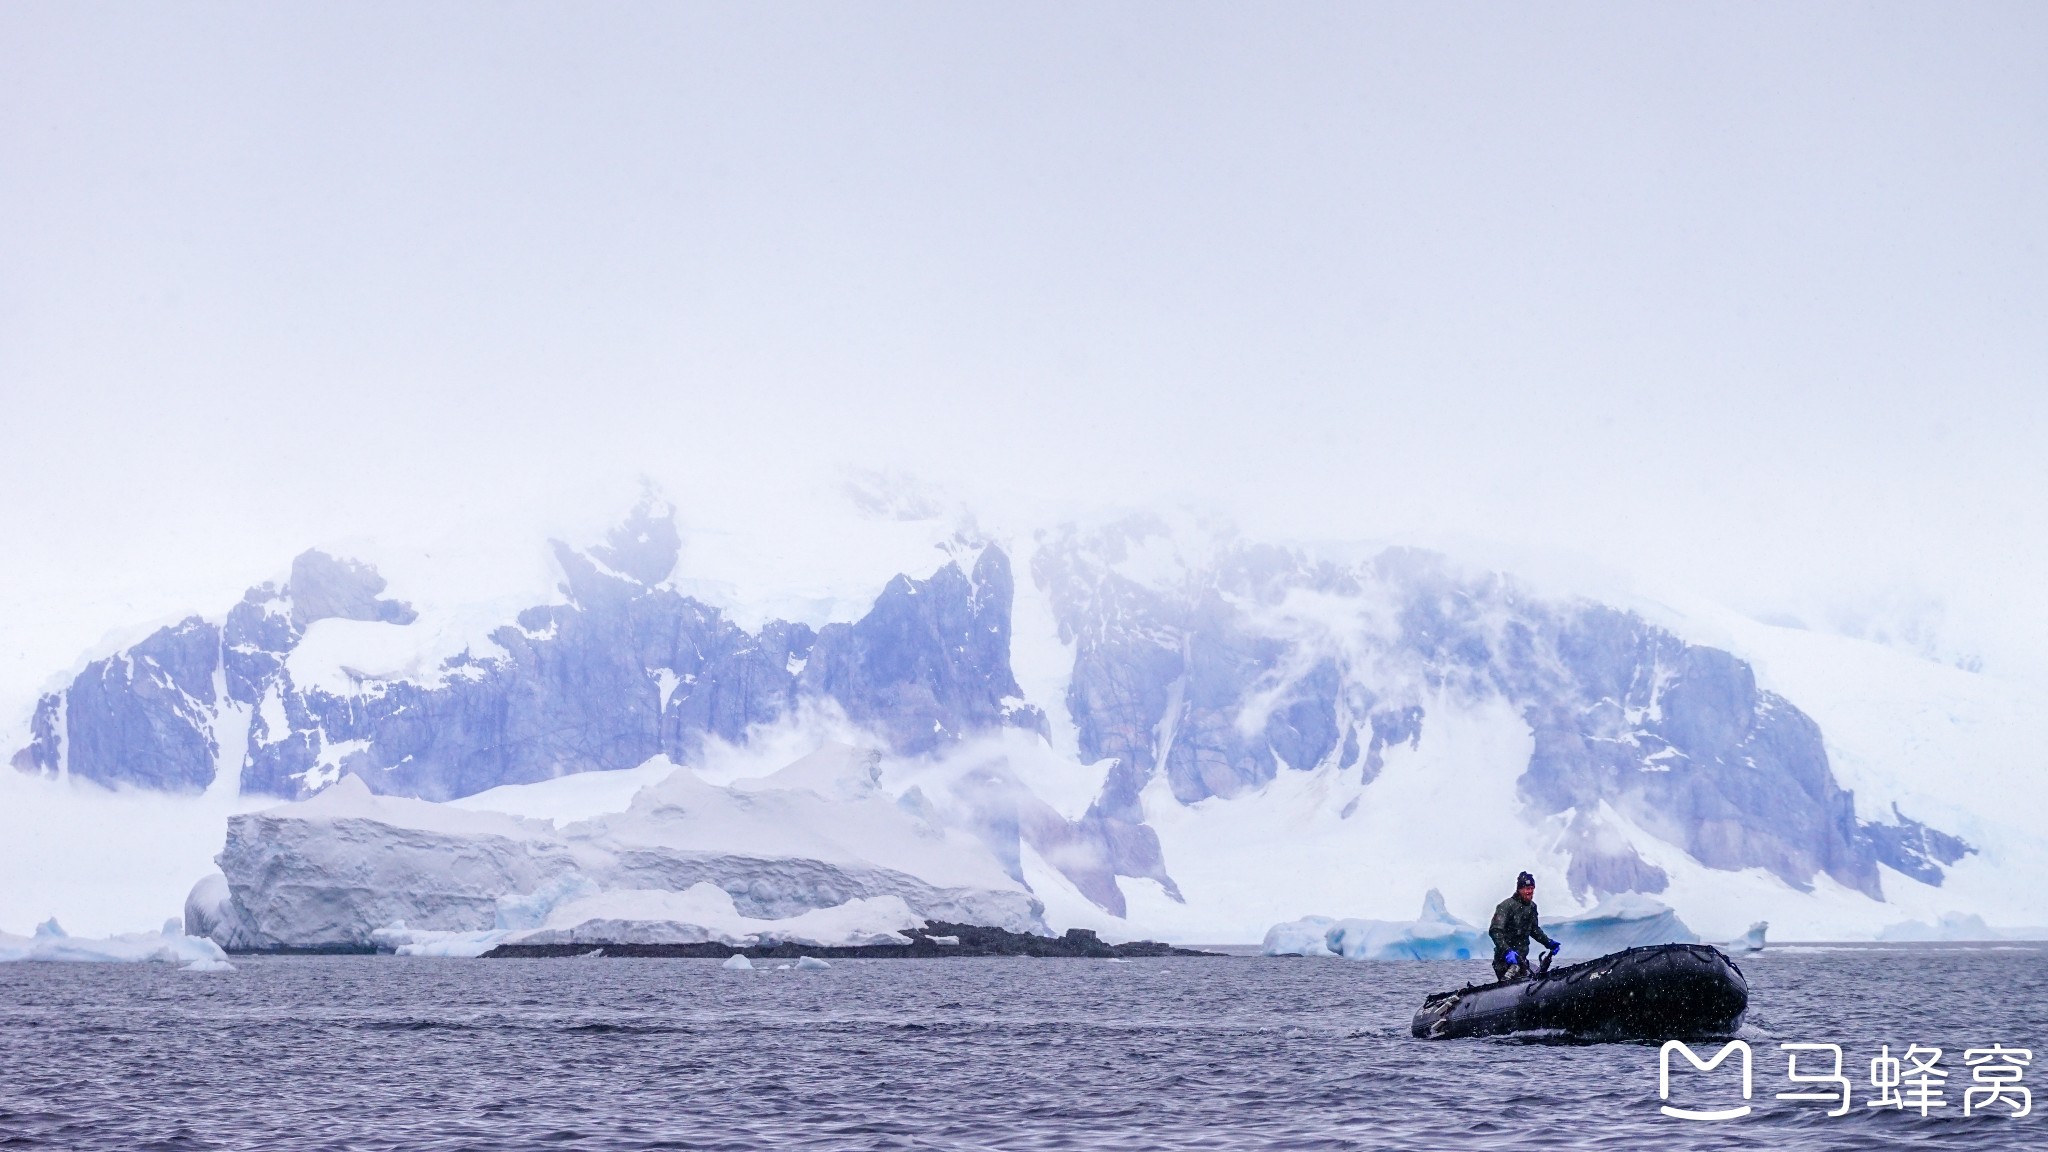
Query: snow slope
point(1965, 751)
point(1161, 730)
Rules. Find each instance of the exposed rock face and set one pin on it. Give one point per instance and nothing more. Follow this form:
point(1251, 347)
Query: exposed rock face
point(626, 669)
point(931, 662)
point(326, 588)
point(152, 715)
point(1915, 849)
point(1203, 670)
point(1252, 660)
point(145, 715)
point(1679, 739)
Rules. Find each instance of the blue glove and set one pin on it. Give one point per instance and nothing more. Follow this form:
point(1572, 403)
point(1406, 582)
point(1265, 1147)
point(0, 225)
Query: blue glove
point(1556, 946)
point(1514, 959)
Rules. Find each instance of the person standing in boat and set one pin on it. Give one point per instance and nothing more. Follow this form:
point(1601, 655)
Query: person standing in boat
point(1514, 922)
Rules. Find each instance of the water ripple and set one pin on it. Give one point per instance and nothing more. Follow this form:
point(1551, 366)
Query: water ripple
point(364, 1054)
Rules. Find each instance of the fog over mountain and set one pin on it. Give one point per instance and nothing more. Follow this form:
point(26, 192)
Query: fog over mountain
point(1089, 729)
point(1726, 319)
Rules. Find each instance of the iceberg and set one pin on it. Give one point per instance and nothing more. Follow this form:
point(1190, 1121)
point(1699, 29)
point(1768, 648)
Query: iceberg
point(810, 964)
point(210, 908)
point(1304, 937)
point(1750, 941)
point(1951, 927)
point(737, 963)
point(169, 946)
point(702, 914)
point(814, 854)
point(1955, 928)
point(1629, 920)
point(1625, 921)
point(706, 913)
point(404, 941)
point(1435, 934)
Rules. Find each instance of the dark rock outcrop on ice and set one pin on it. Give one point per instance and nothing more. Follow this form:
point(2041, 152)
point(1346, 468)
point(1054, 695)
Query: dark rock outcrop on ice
point(931, 662)
point(144, 716)
point(1915, 849)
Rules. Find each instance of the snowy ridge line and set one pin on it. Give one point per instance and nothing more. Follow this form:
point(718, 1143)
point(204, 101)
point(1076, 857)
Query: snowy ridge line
point(1219, 732)
point(623, 669)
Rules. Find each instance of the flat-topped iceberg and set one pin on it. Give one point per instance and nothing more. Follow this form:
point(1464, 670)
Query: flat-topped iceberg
point(816, 853)
point(170, 946)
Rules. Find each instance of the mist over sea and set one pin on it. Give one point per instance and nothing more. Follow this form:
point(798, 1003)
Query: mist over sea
point(391, 1053)
point(512, 477)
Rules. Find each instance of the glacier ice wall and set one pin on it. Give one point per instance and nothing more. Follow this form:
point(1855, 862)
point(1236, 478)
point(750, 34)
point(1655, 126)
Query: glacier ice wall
point(331, 871)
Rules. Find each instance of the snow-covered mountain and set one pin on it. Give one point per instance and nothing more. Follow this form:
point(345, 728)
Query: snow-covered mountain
point(1219, 675)
point(1210, 735)
point(286, 693)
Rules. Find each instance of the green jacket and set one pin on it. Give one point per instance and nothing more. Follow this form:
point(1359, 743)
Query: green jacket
point(1514, 921)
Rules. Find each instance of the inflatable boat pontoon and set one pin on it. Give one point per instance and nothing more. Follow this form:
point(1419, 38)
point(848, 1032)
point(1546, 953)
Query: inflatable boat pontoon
point(1659, 992)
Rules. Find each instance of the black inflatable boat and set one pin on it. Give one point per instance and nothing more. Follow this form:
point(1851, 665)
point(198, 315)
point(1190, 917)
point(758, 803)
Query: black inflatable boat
point(1658, 992)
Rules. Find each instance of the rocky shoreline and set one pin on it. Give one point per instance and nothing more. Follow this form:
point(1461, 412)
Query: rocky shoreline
point(936, 939)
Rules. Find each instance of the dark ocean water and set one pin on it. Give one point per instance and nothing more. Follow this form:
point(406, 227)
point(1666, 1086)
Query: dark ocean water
point(377, 1053)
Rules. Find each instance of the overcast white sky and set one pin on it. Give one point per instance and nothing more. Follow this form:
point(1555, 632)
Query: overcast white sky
point(1747, 299)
